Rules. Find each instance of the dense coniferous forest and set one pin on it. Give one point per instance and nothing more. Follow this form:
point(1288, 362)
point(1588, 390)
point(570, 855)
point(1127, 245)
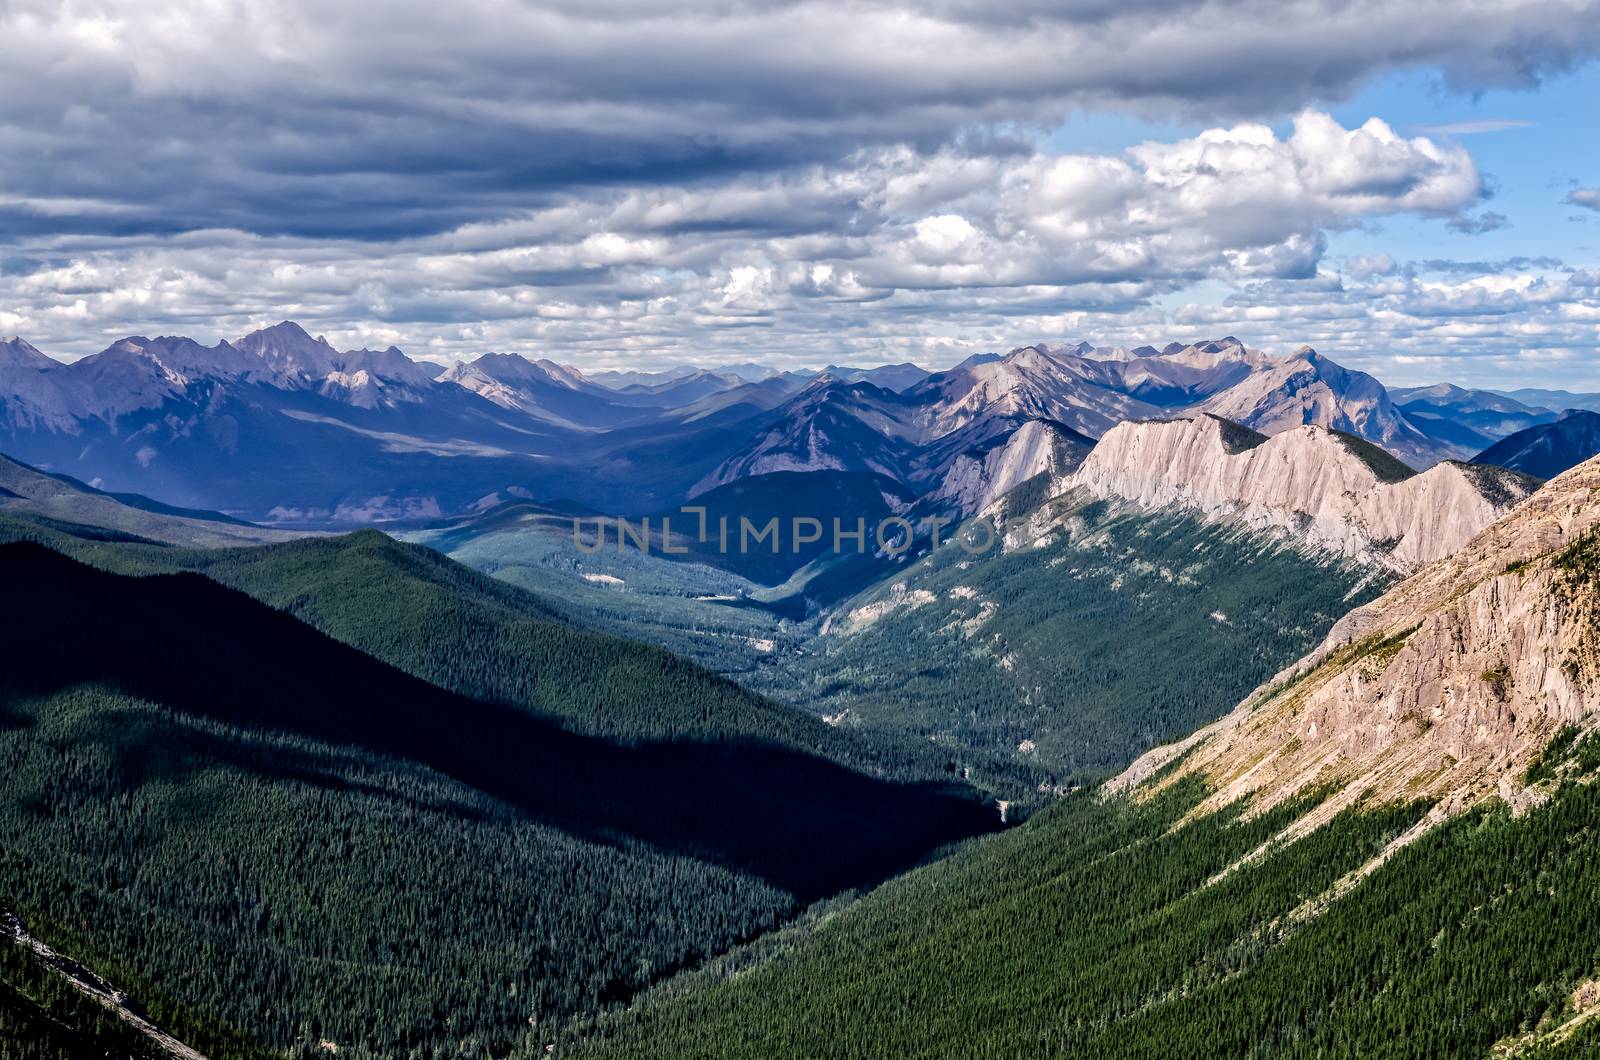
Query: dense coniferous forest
point(467, 632)
point(1105, 927)
point(345, 791)
point(223, 806)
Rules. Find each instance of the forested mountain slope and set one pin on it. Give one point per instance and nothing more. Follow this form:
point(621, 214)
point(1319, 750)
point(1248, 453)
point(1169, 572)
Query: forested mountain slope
point(467, 632)
point(27, 491)
point(1387, 852)
point(1089, 633)
point(234, 815)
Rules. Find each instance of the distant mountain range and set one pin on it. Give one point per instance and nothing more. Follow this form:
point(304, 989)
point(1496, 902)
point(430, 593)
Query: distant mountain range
point(282, 427)
point(63, 502)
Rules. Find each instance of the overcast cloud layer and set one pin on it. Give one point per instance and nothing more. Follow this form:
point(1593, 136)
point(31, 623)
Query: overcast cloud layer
point(635, 181)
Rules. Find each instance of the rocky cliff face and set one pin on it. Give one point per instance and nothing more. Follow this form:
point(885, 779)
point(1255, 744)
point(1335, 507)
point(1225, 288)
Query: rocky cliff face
point(1445, 688)
point(1337, 492)
point(977, 479)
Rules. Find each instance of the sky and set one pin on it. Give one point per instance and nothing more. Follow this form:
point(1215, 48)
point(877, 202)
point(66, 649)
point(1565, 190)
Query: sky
point(1412, 189)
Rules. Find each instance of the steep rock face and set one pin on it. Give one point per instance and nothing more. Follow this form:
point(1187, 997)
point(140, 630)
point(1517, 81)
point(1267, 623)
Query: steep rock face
point(1335, 491)
point(1307, 388)
point(1446, 687)
point(978, 478)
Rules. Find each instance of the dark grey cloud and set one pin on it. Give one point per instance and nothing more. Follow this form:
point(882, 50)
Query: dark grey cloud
point(637, 181)
point(382, 121)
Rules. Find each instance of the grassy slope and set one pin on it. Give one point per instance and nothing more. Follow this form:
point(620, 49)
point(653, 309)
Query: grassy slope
point(1093, 931)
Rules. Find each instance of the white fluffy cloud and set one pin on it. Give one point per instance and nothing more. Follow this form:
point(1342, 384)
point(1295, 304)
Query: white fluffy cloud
point(412, 117)
point(821, 257)
point(1489, 323)
point(803, 180)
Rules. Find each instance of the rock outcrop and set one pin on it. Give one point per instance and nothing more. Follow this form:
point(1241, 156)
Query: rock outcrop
point(977, 479)
point(1335, 491)
point(1445, 688)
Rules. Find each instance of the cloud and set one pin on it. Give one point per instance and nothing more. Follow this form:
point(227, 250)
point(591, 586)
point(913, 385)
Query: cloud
point(411, 118)
point(893, 252)
point(1491, 324)
point(1585, 197)
point(1473, 128)
point(1487, 221)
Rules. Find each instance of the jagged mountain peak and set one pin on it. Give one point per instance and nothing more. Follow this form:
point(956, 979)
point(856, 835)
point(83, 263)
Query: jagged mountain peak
point(1309, 388)
point(1334, 491)
point(1030, 382)
point(176, 354)
point(289, 349)
point(829, 425)
point(510, 366)
point(16, 351)
point(36, 390)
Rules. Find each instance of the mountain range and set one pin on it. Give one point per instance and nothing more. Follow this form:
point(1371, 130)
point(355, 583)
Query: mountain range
point(282, 427)
point(379, 802)
point(1332, 489)
point(1383, 850)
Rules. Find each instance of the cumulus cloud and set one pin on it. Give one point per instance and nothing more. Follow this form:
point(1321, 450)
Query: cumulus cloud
point(619, 181)
point(1483, 323)
point(1585, 197)
point(399, 119)
point(812, 252)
